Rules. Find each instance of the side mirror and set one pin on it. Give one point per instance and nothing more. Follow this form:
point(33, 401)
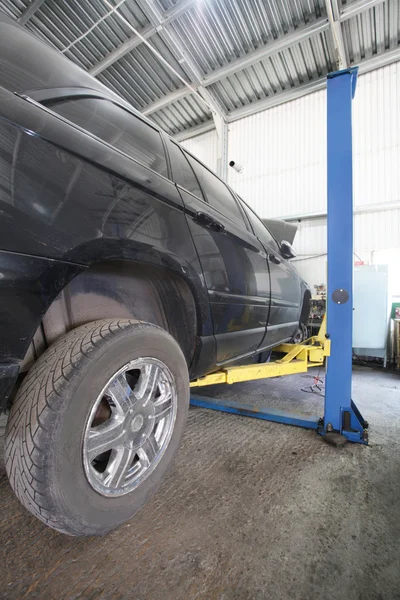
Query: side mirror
point(287, 250)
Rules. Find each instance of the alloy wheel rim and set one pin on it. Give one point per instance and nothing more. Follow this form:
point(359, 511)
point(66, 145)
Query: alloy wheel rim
point(129, 426)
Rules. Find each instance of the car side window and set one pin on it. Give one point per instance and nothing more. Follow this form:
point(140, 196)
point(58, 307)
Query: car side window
point(182, 172)
point(217, 193)
point(259, 228)
point(118, 127)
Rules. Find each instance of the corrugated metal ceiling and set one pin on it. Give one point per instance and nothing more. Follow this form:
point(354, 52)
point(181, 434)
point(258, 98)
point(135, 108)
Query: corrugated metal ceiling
point(213, 34)
point(140, 77)
point(300, 64)
point(217, 32)
point(372, 32)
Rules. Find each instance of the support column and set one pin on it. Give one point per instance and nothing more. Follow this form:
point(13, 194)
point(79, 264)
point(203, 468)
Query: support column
point(341, 414)
point(222, 158)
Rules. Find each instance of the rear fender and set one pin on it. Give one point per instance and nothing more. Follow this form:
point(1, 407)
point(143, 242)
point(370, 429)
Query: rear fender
point(29, 286)
point(122, 289)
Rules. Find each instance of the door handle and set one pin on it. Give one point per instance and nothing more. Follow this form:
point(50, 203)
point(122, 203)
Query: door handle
point(208, 221)
point(274, 259)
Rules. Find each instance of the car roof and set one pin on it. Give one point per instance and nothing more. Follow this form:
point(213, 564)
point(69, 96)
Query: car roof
point(33, 59)
point(28, 63)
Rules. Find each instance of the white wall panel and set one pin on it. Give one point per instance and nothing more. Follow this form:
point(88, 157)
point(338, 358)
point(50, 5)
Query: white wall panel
point(376, 230)
point(376, 136)
point(283, 150)
point(310, 237)
point(204, 146)
point(374, 233)
point(313, 270)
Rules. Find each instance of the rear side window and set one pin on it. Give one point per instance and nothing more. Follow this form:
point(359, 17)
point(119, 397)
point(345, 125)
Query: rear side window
point(182, 172)
point(217, 193)
point(118, 127)
point(259, 228)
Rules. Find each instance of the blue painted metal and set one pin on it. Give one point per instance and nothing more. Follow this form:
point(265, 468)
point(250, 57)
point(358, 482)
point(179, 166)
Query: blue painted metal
point(248, 410)
point(341, 88)
point(341, 414)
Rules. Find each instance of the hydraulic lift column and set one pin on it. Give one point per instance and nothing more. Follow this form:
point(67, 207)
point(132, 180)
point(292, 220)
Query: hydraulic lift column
point(341, 421)
point(341, 416)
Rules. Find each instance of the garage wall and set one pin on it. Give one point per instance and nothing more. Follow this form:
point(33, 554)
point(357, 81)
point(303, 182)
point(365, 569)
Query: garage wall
point(283, 152)
point(204, 146)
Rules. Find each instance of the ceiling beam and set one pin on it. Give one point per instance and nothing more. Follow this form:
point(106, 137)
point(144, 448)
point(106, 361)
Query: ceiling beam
point(283, 43)
point(167, 17)
point(160, 56)
point(193, 131)
point(279, 45)
point(30, 11)
point(276, 99)
point(187, 63)
point(357, 7)
point(365, 66)
point(165, 100)
point(332, 11)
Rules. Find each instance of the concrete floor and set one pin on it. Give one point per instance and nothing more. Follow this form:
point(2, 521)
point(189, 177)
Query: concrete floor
point(251, 510)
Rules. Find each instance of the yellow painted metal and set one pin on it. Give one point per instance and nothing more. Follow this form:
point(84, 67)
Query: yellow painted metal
point(298, 358)
point(320, 337)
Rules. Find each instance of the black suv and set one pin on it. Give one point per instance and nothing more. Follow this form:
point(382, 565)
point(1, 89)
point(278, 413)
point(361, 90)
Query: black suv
point(127, 268)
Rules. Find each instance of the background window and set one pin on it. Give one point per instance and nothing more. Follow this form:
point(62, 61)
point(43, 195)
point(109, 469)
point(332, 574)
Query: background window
point(217, 193)
point(182, 172)
point(118, 127)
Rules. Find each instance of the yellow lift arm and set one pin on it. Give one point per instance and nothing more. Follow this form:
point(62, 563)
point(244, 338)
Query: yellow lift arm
point(297, 359)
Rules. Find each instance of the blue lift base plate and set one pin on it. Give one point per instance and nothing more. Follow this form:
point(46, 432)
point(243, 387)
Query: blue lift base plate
point(356, 432)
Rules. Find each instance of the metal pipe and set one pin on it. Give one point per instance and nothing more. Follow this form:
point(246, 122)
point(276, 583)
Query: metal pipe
point(168, 17)
point(30, 11)
point(173, 43)
point(159, 56)
point(81, 37)
point(366, 208)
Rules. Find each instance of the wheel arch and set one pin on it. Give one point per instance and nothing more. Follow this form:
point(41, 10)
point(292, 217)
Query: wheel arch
point(85, 275)
point(122, 289)
point(305, 308)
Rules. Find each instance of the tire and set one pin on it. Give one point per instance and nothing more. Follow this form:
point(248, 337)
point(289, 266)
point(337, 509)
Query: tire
point(51, 425)
point(301, 334)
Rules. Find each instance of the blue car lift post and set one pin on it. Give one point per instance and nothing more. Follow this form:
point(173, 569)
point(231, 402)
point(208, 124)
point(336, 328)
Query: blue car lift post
point(342, 420)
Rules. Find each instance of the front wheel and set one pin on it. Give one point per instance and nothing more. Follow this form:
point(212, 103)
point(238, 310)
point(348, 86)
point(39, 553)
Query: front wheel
point(96, 424)
point(301, 334)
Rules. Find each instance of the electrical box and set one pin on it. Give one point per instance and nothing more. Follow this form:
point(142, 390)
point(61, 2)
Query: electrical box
point(371, 309)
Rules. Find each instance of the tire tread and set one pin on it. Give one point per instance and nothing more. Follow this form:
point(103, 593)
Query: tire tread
point(28, 428)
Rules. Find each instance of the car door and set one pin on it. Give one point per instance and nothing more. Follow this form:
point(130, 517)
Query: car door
point(286, 298)
point(232, 259)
